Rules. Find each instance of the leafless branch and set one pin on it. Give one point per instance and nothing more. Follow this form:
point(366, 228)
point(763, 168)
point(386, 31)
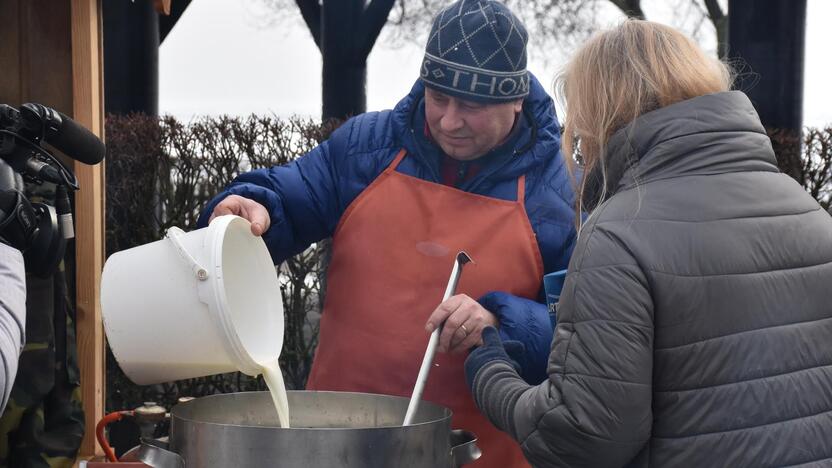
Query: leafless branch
point(631, 8)
point(714, 10)
point(373, 19)
point(311, 12)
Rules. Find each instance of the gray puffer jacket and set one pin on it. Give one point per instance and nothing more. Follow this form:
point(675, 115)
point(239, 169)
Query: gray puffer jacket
point(695, 325)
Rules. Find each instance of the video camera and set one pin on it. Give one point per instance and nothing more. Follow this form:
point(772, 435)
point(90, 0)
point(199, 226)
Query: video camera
point(40, 230)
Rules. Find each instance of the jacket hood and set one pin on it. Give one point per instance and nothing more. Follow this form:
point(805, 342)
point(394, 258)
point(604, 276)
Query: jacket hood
point(539, 144)
point(711, 134)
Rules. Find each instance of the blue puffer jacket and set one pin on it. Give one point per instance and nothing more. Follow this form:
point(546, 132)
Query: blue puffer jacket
point(307, 197)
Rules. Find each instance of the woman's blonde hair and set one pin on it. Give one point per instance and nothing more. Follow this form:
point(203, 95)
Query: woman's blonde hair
point(620, 74)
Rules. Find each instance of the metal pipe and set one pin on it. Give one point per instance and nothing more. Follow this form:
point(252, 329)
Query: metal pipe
point(461, 259)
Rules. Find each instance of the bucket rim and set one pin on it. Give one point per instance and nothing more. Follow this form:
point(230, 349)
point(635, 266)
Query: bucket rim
point(233, 344)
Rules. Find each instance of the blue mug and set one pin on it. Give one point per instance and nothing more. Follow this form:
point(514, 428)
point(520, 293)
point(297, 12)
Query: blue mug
point(552, 286)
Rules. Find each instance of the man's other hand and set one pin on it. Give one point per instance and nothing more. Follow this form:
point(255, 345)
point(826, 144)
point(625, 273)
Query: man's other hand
point(464, 320)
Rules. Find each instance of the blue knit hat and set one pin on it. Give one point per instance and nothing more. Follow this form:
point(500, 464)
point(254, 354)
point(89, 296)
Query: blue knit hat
point(477, 51)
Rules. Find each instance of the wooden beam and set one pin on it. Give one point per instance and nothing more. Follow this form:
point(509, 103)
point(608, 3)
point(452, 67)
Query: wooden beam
point(87, 104)
point(10, 53)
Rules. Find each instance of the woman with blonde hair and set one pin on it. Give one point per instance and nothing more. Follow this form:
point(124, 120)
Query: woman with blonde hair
point(695, 322)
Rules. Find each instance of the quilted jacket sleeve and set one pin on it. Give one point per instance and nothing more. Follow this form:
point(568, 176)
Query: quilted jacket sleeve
point(306, 197)
point(525, 321)
point(595, 407)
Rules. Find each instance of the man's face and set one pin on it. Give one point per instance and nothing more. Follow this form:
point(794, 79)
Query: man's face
point(467, 130)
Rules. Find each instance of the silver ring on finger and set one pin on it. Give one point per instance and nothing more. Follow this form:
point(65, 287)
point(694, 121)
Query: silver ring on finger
point(463, 328)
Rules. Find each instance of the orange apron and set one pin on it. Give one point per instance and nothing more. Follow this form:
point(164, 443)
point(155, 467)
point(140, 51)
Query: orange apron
point(392, 255)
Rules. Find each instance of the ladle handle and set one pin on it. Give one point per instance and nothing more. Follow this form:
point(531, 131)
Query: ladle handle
point(422, 378)
point(461, 259)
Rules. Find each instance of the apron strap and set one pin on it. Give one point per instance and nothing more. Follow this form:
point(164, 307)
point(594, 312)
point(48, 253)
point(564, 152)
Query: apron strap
point(521, 189)
point(393, 165)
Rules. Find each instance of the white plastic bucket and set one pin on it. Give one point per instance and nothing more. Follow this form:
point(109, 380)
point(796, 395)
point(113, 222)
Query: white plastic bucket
point(193, 304)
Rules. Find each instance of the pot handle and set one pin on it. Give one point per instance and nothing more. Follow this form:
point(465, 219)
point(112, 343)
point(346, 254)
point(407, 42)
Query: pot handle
point(156, 453)
point(463, 447)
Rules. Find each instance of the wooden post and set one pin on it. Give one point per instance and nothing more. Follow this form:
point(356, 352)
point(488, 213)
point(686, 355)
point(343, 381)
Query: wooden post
point(87, 104)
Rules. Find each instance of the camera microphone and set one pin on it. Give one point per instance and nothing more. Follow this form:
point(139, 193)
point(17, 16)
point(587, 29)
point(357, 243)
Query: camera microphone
point(78, 142)
point(63, 133)
point(40, 230)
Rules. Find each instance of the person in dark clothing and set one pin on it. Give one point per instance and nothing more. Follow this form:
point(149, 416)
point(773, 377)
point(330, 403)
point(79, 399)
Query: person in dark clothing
point(695, 322)
point(42, 421)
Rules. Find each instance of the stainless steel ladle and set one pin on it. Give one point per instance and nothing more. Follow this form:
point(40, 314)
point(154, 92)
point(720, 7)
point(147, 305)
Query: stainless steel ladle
point(461, 259)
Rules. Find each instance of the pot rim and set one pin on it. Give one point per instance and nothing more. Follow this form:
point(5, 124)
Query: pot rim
point(175, 412)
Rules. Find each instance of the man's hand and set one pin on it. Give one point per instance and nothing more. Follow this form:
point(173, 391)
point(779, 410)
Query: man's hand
point(254, 212)
point(464, 321)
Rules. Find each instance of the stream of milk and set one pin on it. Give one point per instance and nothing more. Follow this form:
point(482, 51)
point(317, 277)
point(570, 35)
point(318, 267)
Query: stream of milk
point(274, 380)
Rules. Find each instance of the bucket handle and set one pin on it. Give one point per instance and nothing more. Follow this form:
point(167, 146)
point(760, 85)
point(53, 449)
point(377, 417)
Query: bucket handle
point(174, 233)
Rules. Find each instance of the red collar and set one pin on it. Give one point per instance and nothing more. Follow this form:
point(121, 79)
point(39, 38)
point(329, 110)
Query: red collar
point(453, 171)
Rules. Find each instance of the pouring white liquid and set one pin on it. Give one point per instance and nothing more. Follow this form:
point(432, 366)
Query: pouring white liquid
point(274, 380)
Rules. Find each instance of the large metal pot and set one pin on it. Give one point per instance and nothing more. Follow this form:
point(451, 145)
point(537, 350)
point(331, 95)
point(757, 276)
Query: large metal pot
point(329, 429)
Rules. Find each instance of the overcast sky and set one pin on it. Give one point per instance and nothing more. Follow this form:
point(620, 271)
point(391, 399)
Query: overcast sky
point(219, 59)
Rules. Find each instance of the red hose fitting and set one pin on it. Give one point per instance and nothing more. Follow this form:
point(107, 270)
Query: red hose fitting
point(99, 432)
